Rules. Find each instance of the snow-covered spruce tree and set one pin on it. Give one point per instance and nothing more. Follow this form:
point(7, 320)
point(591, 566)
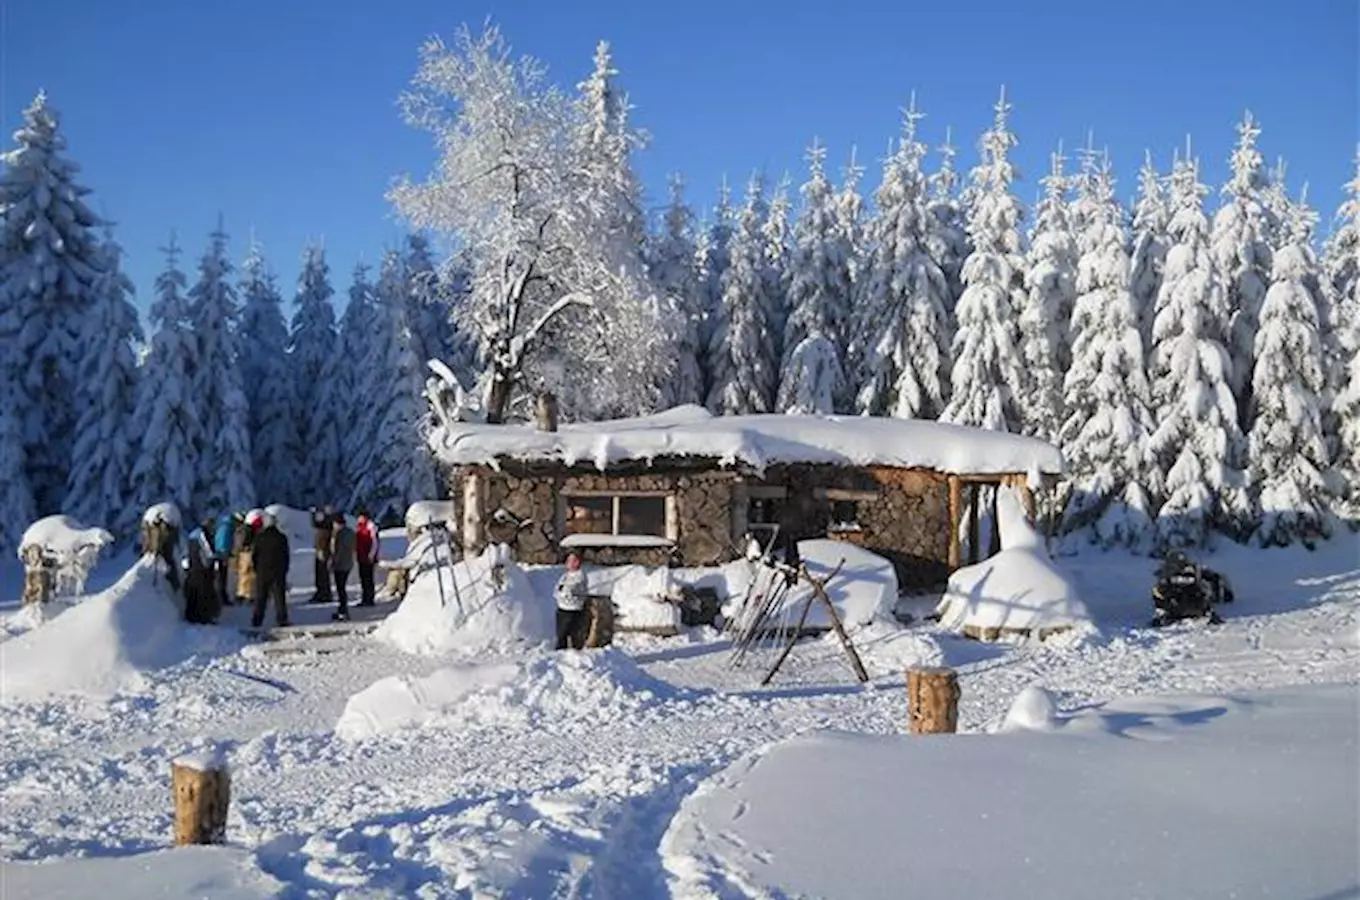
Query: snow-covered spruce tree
point(320, 410)
point(1289, 459)
point(49, 263)
point(946, 236)
point(1279, 207)
point(778, 255)
point(1150, 217)
point(850, 215)
point(712, 257)
point(1046, 311)
point(517, 186)
point(357, 379)
point(672, 263)
point(1239, 241)
point(901, 347)
point(14, 489)
point(1346, 460)
point(1107, 396)
point(745, 370)
point(1341, 328)
point(988, 366)
point(1197, 445)
point(396, 467)
point(226, 473)
point(266, 378)
point(819, 300)
point(99, 491)
point(168, 418)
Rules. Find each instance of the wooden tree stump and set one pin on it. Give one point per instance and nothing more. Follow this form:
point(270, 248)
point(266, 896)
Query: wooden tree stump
point(933, 700)
point(202, 788)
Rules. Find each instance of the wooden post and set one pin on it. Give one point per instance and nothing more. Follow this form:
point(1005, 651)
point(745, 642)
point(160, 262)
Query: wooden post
point(955, 514)
point(933, 700)
point(202, 788)
point(37, 575)
point(545, 411)
point(474, 511)
point(974, 532)
point(994, 533)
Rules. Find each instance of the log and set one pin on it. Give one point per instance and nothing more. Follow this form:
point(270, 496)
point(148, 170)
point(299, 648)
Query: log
point(202, 787)
point(933, 700)
point(955, 514)
point(37, 575)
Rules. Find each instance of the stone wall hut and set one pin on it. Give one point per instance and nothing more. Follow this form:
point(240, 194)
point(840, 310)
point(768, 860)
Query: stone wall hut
point(684, 488)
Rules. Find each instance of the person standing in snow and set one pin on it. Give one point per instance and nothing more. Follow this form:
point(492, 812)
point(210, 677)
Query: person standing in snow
point(222, 545)
point(366, 551)
point(269, 554)
point(342, 561)
point(200, 600)
point(571, 594)
point(323, 521)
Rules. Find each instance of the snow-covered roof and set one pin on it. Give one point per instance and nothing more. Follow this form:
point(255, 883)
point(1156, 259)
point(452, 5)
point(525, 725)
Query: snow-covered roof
point(756, 441)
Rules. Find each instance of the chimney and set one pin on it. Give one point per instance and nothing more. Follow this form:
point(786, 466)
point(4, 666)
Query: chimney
point(545, 411)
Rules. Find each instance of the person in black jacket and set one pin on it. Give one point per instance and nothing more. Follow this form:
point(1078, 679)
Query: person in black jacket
point(269, 552)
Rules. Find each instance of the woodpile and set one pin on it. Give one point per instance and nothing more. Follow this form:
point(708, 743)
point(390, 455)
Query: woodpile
point(39, 575)
point(202, 791)
point(932, 700)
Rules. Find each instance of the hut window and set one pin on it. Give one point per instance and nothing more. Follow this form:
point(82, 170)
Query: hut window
point(844, 515)
point(763, 515)
point(618, 514)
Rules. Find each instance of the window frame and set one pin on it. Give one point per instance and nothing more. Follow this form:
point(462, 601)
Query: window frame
point(670, 519)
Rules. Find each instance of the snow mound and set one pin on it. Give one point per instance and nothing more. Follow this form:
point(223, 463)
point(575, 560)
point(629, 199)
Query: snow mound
point(477, 605)
point(164, 513)
point(641, 597)
point(103, 645)
point(1033, 709)
point(424, 513)
point(64, 537)
point(1019, 589)
point(550, 690)
point(863, 592)
point(204, 873)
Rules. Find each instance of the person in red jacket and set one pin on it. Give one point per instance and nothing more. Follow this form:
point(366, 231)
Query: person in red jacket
point(366, 552)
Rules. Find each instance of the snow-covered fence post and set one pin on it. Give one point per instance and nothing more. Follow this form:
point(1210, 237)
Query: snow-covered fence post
point(202, 786)
point(37, 575)
point(933, 700)
point(546, 411)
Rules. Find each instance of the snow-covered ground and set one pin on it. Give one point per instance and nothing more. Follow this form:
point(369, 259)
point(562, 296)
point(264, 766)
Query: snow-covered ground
point(1186, 762)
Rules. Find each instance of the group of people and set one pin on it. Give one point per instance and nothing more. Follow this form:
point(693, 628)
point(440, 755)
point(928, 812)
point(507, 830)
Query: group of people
point(260, 552)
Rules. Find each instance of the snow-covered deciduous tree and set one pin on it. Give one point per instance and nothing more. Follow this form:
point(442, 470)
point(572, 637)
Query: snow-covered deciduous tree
point(315, 360)
point(168, 416)
point(267, 380)
point(672, 263)
point(946, 235)
point(99, 491)
point(1150, 217)
point(1197, 445)
point(1289, 460)
point(1050, 293)
point(1240, 244)
point(745, 369)
point(900, 352)
point(1107, 396)
point(988, 366)
point(395, 468)
point(358, 379)
point(819, 296)
point(226, 471)
point(49, 262)
point(532, 201)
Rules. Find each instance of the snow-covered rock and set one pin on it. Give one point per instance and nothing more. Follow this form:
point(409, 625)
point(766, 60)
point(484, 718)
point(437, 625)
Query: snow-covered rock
point(478, 604)
point(104, 644)
point(1019, 589)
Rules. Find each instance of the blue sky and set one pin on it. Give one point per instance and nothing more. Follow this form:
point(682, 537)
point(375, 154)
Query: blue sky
point(282, 114)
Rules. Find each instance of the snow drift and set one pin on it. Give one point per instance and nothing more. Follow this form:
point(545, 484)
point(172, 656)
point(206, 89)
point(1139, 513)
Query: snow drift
point(481, 604)
point(104, 644)
point(587, 688)
point(1019, 589)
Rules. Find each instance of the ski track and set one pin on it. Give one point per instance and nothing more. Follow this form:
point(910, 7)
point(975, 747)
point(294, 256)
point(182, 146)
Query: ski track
point(570, 807)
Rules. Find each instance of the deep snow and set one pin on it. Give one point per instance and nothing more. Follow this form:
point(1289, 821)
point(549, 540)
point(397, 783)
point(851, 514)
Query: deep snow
point(561, 774)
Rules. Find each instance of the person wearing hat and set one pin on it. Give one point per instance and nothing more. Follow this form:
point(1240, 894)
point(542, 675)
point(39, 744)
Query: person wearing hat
point(323, 524)
point(572, 593)
point(269, 553)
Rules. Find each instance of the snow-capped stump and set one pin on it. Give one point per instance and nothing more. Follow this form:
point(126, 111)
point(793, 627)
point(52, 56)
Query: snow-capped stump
point(58, 554)
point(161, 526)
point(932, 700)
point(202, 791)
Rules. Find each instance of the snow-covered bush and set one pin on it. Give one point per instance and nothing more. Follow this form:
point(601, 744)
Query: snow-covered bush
point(71, 548)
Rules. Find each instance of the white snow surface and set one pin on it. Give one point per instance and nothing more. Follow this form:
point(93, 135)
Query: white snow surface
point(423, 513)
point(462, 608)
point(1019, 588)
point(754, 440)
point(201, 873)
point(105, 644)
point(64, 536)
point(1191, 797)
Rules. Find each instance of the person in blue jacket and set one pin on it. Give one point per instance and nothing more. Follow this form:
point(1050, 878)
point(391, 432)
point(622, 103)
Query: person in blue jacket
point(223, 536)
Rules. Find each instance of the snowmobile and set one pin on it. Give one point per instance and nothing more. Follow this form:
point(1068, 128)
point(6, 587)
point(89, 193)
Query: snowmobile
point(1187, 590)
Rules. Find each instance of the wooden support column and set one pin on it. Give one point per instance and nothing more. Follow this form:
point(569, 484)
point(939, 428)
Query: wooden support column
point(202, 789)
point(955, 514)
point(932, 700)
point(994, 533)
point(474, 511)
point(974, 532)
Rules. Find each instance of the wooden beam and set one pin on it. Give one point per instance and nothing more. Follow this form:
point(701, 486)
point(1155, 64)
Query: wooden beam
point(955, 513)
point(824, 493)
point(766, 491)
point(994, 541)
point(974, 537)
